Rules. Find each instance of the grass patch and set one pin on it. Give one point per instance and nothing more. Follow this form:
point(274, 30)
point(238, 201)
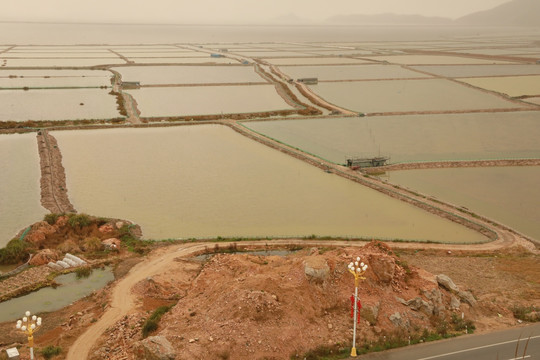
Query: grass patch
point(151, 324)
point(83, 272)
point(526, 313)
point(79, 220)
point(51, 351)
point(52, 218)
point(16, 251)
point(324, 352)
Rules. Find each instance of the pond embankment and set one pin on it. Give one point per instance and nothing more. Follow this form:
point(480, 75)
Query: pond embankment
point(53, 177)
point(453, 164)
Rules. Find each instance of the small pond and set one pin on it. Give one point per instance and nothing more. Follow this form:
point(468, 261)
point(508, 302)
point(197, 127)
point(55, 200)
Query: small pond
point(49, 299)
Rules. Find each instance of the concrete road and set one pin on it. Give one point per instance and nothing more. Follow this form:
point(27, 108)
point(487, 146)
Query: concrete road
point(500, 345)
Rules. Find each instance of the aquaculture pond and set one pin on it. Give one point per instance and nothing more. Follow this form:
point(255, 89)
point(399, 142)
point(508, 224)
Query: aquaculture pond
point(57, 104)
point(351, 72)
point(412, 138)
point(201, 100)
point(189, 74)
point(510, 195)
point(54, 78)
point(209, 181)
point(49, 299)
point(316, 61)
point(434, 59)
point(509, 85)
point(20, 204)
point(407, 95)
point(457, 71)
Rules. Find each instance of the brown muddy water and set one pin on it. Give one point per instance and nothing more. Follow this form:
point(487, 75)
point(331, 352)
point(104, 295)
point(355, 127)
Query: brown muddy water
point(203, 100)
point(208, 181)
point(19, 190)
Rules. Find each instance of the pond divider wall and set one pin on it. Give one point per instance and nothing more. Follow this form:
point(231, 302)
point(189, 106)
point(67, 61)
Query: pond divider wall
point(53, 177)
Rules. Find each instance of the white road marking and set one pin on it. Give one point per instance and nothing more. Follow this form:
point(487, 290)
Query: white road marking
point(521, 357)
point(481, 347)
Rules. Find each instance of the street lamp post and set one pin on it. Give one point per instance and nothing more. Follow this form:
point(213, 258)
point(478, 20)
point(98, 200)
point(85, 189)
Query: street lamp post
point(358, 269)
point(29, 325)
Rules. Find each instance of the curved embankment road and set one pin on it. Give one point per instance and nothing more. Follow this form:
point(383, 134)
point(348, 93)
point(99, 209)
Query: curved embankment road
point(123, 301)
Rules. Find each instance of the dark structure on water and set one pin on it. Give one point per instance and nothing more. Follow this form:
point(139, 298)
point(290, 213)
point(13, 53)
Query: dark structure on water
point(355, 163)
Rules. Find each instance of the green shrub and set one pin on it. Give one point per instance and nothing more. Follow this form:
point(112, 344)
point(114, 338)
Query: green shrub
point(50, 351)
point(524, 313)
point(461, 324)
point(16, 251)
point(83, 272)
point(151, 324)
point(79, 220)
point(51, 218)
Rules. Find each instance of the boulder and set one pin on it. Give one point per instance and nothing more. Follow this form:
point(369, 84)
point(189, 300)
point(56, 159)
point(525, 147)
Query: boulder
point(419, 304)
point(154, 348)
point(111, 243)
point(106, 228)
point(44, 256)
point(435, 297)
point(370, 313)
point(454, 303)
point(447, 283)
point(383, 267)
point(467, 297)
point(398, 320)
point(316, 268)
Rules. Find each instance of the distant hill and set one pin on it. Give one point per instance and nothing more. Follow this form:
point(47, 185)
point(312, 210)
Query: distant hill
point(514, 13)
point(388, 18)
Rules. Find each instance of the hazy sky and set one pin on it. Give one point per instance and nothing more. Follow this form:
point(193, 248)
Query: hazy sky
point(226, 11)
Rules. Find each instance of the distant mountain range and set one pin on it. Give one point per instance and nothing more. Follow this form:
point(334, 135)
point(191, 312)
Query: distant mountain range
point(514, 13)
point(524, 13)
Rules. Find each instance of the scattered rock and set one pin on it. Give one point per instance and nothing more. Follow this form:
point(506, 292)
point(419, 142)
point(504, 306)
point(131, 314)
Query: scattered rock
point(447, 283)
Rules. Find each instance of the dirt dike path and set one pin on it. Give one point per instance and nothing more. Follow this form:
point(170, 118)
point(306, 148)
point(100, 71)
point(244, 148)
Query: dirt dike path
point(123, 301)
point(53, 177)
point(454, 164)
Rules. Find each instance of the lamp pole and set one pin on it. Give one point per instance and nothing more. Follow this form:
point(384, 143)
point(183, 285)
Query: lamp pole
point(29, 325)
point(358, 269)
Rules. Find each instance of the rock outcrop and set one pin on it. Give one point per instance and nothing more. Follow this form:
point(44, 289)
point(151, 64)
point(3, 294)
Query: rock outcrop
point(155, 348)
point(316, 268)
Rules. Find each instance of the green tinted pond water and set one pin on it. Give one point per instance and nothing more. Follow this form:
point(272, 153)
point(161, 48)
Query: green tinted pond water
point(510, 195)
point(209, 181)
